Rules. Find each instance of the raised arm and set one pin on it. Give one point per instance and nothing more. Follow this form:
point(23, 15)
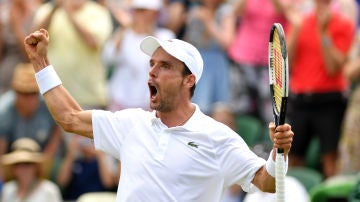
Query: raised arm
point(64, 109)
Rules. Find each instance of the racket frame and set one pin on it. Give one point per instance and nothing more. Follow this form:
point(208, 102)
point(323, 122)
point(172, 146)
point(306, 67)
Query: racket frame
point(279, 114)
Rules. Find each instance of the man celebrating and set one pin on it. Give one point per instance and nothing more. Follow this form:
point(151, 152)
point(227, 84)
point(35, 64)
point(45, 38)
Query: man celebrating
point(175, 152)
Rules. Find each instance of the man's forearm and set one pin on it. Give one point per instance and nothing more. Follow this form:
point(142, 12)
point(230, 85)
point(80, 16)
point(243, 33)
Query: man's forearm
point(264, 181)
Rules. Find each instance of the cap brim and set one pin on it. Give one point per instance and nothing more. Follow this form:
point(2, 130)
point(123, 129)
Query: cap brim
point(149, 45)
point(21, 157)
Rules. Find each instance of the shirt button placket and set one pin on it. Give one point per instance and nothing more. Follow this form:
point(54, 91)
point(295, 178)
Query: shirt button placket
point(162, 145)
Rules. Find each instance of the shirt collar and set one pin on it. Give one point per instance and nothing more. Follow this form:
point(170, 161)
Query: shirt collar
point(190, 125)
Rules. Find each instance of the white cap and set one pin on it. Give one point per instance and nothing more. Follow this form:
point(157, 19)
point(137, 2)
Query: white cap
point(181, 50)
point(147, 4)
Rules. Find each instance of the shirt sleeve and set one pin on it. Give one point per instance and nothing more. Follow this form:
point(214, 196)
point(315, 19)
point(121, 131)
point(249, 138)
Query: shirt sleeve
point(107, 132)
point(239, 163)
point(110, 130)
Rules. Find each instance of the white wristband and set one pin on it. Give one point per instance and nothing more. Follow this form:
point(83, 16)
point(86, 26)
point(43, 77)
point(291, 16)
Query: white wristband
point(47, 79)
point(270, 164)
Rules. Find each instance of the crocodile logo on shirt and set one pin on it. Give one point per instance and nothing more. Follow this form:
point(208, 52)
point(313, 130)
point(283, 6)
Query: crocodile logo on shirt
point(193, 144)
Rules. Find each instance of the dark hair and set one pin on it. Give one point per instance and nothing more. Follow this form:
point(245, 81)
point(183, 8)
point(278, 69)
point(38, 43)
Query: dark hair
point(186, 71)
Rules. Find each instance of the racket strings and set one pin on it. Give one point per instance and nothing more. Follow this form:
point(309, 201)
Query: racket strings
point(277, 65)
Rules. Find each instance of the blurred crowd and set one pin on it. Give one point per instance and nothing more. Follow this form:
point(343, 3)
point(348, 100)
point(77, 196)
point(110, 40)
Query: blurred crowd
point(94, 47)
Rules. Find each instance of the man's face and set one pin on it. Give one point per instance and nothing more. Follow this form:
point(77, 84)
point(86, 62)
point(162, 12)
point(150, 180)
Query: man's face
point(166, 82)
point(25, 171)
point(27, 103)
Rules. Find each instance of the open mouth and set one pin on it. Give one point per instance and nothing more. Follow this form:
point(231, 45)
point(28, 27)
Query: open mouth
point(153, 90)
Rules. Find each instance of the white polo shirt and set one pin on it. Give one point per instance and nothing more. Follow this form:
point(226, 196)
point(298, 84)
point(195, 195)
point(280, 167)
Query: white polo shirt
point(195, 162)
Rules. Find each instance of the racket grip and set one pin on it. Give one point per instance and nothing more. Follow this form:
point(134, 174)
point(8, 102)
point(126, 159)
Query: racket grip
point(280, 177)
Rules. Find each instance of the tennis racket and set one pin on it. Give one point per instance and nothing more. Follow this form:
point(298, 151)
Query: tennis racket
point(279, 87)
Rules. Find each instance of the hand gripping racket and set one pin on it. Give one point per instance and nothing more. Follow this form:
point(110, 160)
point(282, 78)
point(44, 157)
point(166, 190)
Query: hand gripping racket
point(279, 86)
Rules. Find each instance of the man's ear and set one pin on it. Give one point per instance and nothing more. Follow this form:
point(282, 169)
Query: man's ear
point(190, 80)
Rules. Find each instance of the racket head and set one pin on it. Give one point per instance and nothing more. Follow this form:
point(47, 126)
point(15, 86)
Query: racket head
point(278, 72)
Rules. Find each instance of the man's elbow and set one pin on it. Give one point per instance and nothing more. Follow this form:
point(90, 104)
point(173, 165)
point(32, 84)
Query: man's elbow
point(68, 124)
point(264, 181)
point(68, 127)
point(267, 188)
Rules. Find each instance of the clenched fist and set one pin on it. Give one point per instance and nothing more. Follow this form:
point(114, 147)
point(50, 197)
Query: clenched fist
point(36, 46)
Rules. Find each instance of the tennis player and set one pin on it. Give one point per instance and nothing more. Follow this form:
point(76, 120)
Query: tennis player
point(175, 152)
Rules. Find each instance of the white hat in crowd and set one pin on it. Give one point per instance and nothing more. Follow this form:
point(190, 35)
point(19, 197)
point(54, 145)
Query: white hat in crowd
point(179, 49)
point(147, 4)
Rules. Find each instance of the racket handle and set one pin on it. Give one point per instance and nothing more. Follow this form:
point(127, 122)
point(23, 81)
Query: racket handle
point(279, 150)
point(280, 177)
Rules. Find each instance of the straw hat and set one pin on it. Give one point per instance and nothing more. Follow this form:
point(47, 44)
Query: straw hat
point(24, 79)
point(24, 150)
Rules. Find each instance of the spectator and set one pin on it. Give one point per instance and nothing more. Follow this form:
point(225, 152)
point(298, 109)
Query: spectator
point(349, 145)
point(249, 51)
point(86, 25)
point(25, 167)
point(26, 115)
point(16, 17)
point(85, 170)
point(318, 45)
point(210, 27)
point(130, 65)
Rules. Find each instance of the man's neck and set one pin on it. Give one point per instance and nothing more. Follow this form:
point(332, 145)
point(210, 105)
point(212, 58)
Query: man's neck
point(178, 117)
